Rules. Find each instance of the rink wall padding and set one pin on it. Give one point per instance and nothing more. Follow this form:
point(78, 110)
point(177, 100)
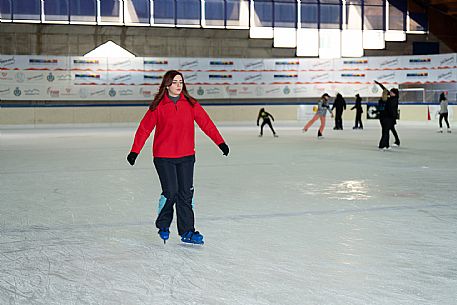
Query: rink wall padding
point(133, 114)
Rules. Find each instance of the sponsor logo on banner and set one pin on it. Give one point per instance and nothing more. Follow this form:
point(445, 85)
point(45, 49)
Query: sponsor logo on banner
point(355, 62)
point(389, 63)
point(50, 78)
point(231, 91)
point(285, 76)
point(83, 93)
point(190, 77)
point(68, 92)
point(152, 77)
point(37, 61)
point(64, 77)
point(420, 60)
point(127, 62)
point(122, 78)
point(7, 62)
point(421, 74)
point(20, 77)
point(286, 90)
point(386, 77)
point(254, 65)
point(374, 89)
point(36, 77)
point(112, 92)
point(287, 63)
point(200, 91)
point(300, 90)
point(352, 75)
point(89, 76)
point(155, 62)
point(274, 90)
point(146, 92)
point(86, 61)
point(445, 76)
point(320, 77)
point(253, 77)
point(189, 64)
point(30, 92)
point(5, 91)
point(17, 91)
point(259, 91)
point(245, 91)
point(125, 92)
point(220, 76)
point(320, 65)
point(213, 91)
point(447, 61)
point(4, 76)
point(98, 92)
point(221, 63)
point(53, 92)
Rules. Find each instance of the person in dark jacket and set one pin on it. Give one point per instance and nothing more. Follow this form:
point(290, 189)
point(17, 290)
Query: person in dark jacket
point(386, 115)
point(393, 95)
point(358, 112)
point(340, 105)
point(172, 113)
point(265, 116)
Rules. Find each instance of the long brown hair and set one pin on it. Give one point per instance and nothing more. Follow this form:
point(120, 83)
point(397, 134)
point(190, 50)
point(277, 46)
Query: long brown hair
point(167, 81)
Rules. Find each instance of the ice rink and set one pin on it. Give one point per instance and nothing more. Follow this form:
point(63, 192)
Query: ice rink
point(288, 220)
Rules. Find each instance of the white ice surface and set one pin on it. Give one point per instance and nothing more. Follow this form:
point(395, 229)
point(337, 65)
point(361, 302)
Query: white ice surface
point(288, 220)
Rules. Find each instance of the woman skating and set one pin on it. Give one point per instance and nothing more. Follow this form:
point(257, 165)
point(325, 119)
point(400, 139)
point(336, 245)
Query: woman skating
point(172, 113)
point(322, 108)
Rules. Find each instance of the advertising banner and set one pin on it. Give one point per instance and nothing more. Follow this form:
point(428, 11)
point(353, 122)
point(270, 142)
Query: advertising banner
point(110, 79)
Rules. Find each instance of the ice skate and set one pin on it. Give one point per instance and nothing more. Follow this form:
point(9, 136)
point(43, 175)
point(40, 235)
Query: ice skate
point(440, 130)
point(164, 234)
point(275, 135)
point(191, 237)
point(448, 130)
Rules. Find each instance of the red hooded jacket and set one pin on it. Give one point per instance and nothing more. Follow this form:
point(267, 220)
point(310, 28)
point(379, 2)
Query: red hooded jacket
point(175, 132)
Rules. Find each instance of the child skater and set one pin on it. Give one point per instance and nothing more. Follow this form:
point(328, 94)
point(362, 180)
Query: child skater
point(265, 120)
point(444, 113)
point(358, 112)
point(172, 113)
point(322, 108)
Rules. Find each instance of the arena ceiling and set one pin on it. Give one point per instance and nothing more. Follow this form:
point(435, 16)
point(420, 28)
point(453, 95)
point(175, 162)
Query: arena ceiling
point(448, 7)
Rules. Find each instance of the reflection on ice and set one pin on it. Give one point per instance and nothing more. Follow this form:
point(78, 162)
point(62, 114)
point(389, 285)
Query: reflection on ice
point(349, 190)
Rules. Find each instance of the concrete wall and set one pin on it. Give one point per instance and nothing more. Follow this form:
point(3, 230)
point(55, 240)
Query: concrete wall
point(77, 40)
point(36, 116)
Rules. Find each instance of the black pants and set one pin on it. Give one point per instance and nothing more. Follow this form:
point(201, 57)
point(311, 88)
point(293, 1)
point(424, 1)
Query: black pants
point(176, 178)
point(339, 119)
point(269, 124)
point(394, 132)
point(358, 119)
point(444, 116)
point(386, 124)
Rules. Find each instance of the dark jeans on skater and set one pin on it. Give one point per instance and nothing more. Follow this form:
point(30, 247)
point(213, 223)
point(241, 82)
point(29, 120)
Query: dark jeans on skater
point(339, 119)
point(386, 125)
point(269, 124)
point(358, 120)
point(444, 116)
point(394, 132)
point(176, 178)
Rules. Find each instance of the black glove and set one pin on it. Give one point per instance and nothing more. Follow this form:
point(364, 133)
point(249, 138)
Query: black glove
point(224, 148)
point(132, 157)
